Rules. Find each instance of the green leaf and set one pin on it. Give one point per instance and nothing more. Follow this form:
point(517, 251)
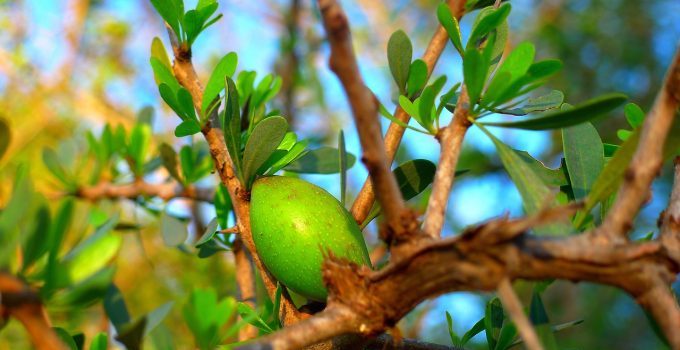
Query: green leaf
point(115, 307)
point(513, 67)
point(209, 233)
point(140, 138)
point(623, 135)
point(187, 128)
point(35, 246)
point(506, 337)
point(169, 159)
point(551, 177)
point(399, 55)
point(451, 26)
point(85, 293)
point(225, 68)
point(586, 111)
point(426, 105)
point(455, 339)
point(634, 115)
point(295, 152)
point(610, 149)
point(99, 341)
point(385, 113)
point(222, 204)
point(411, 108)
point(231, 126)
point(65, 338)
point(51, 160)
point(249, 313)
point(158, 52)
point(414, 176)
point(476, 329)
point(155, 317)
point(322, 160)
point(266, 136)
point(170, 12)
point(534, 192)
point(584, 155)
point(417, 77)
point(493, 321)
point(342, 155)
point(486, 22)
point(475, 68)
point(552, 100)
point(94, 253)
point(5, 137)
point(163, 74)
point(186, 104)
point(539, 318)
point(174, 231)
point(192, 24)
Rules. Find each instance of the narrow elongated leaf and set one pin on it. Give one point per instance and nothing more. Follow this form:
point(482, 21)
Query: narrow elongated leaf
point(35, 246)
point(584, 155)
point(426, 105)
point(297, 151)
point(513, 67)
point(5, 137)
point(99, 342)
point(322, 160)
point(85, 293)
point(506, 337)
point(399, 55)
point(231, 125)
point(385, 113)
point(53, 164)
point(132, 334)
point(534, 192)
point(417, 77)
point(450, 23)
point(155, 317)
point(225, 68)
point(266, 136)
point(475, 68)
point(169, 159)
point(247, 312)
point(539, 318)
point(455, 339)
point(140, 138)
point(223, 206)
point(186, 103)
point(493, 321)
point(486, 22)
point(187, 128)
point(586, 111)
point(158, 52)
point(543, 103)
point(65, 338)
point(472, 332)
point(115, 307)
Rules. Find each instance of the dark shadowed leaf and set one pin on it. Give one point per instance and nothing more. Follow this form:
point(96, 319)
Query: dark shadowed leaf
point(132, 334)
point(115, 307)
point(414, 176)
point(540, 320)
point(231, 125)
point(209, 233)
point(322, 160)
point(264, 140)
point(65, 338)
point(486, 22)
point(222, 205)
point(507, 336)
point(493, 321)
point(85, 293)
point(399, 55)
point(584, 155)
point(475, 68)
point(53, 164)
point(225, 68)
point(543, 103)
point(586, 111)
point(169, 159)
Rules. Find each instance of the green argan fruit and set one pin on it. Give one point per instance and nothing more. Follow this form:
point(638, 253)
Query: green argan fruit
point(294, 223)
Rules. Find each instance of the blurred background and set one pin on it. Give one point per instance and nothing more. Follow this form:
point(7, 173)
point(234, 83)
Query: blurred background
point(67, 66)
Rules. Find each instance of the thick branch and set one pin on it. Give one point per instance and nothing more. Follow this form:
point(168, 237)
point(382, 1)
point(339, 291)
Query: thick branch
point(364, 201)
point(670, 224)
point(451, 139)
point(22, 303)
point(647, 160)
point(164, 191)
point(365, 110)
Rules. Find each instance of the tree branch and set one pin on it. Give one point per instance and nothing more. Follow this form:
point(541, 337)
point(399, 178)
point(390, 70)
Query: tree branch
point(165, 191)
point(365, 110)
point(670, 218)
point(514, 307)
point(648, 158)
point(364, 200)
point(187, 77)
point(22, 303)
point(451, 139)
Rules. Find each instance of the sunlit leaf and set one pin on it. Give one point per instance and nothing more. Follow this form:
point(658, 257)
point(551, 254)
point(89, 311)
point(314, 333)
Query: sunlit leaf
point(584, 155)
point(417, 77)
point(99, 341)
point(487, 21)
point(586, 111)
point(450, 23)
point(426, 105)
point(187, 128)
point(511, 69)
point(225, 68)
point(634, 115)
point(266, 136)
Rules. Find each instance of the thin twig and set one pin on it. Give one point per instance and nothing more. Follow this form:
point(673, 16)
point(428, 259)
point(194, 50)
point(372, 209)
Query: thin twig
point(165, 191)
point(648, 158)
point(22, 303)
point(365, 110)
point(514, 307)
point(451, 139)
point(366, 196)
